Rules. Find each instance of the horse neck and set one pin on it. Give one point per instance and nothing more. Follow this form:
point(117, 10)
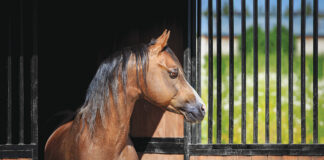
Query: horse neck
point(117, 115)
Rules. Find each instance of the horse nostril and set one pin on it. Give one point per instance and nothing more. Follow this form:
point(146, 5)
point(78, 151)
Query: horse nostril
point(202, 108)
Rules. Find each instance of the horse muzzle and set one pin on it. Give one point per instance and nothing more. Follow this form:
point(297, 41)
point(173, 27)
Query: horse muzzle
point(193, 113)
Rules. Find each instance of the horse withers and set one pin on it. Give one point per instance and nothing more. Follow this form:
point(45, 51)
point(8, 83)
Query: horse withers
point(100, 129)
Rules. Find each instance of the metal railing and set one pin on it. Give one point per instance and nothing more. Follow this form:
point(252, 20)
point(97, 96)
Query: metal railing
point(21, 71)
point(191, 145)
point(192, 66)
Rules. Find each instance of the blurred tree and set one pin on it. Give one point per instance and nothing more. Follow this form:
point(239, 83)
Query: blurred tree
point(309, 9)
point(286, 13)
point(273, 10)
point(226, 9)
point(272, 40)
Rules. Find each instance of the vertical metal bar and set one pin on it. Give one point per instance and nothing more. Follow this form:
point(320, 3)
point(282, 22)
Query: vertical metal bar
point(193, 62)
point(34, 78)
point(9, 82)
point(198, 140)
point(187, 140)
point(187, 130)
point(267, 71)
point(315, 72)
point(243, 30)
point(34, 102)
point(303, 78)
point(231, 71)
point(193, 44)
point(21, 77)
point(278, 112)
point(210, 71)
point(291, 73)
point(219, 72)
point(255, 71)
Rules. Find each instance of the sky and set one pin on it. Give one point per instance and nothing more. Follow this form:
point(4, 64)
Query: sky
point(261, 3)
point(261, 19)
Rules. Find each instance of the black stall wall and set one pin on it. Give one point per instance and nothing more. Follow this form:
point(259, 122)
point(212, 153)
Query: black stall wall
point(75, 36)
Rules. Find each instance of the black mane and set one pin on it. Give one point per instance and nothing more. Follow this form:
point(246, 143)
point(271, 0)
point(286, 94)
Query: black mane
point(105, 81)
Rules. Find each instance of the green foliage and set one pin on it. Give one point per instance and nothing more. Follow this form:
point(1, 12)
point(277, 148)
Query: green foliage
point(272, 40)
point(309, 9)
point(284, 40)
point(261, 96)
point(249, 40)
point(226, 9)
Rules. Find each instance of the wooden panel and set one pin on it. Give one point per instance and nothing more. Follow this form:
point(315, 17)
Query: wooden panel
point(206, 158)
point(304, 158)
point(257, 157)
point(160, 157)
point(151, 121)
point(220, 158)
point(230, 158)
point(274, 157)
point(243, 157)
point(318, 158)
point(289, 157)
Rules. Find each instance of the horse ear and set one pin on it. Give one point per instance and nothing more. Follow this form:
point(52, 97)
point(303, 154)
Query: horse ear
point(161, 42)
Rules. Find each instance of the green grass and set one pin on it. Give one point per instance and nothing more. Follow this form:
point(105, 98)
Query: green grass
point(261, 96)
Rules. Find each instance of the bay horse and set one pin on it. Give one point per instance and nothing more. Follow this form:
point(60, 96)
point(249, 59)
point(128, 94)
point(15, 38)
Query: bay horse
point(100, 129)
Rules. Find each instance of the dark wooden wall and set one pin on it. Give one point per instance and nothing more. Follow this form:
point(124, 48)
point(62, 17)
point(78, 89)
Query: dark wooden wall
point(76, 35)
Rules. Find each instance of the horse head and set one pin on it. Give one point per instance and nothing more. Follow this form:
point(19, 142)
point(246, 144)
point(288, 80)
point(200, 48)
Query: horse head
point(166, 85)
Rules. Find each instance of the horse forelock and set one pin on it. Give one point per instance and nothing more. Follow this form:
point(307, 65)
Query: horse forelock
point(106, 83)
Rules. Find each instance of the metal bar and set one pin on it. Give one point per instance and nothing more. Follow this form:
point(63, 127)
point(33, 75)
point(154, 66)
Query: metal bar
point(278, 101)
point(34, 78)
point(210, 71)
point(267, 71)
point(198, 140)
point(257, 149)
point(159, 145)
point(14, 151)
point(16, 154)
point(243, 132)
point(187, 131)
point(193, 61)
point(187, 140)
point(219, 72)
point(21, 77)
point(315, 72)
point(175, 146)
point(255, 71)
point(21, 100)
point(193, 44)
point(231, 72)
point(303, 76)
point(291, 73)
point(9, 82)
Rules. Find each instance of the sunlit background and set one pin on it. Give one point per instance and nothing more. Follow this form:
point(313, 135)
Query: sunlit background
point(261, 71)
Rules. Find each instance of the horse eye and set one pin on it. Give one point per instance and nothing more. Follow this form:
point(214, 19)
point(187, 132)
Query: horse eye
point(174, 74)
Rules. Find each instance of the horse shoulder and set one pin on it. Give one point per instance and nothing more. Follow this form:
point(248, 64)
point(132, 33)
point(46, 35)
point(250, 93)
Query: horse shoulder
point(129, 152)
point(56, 143)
